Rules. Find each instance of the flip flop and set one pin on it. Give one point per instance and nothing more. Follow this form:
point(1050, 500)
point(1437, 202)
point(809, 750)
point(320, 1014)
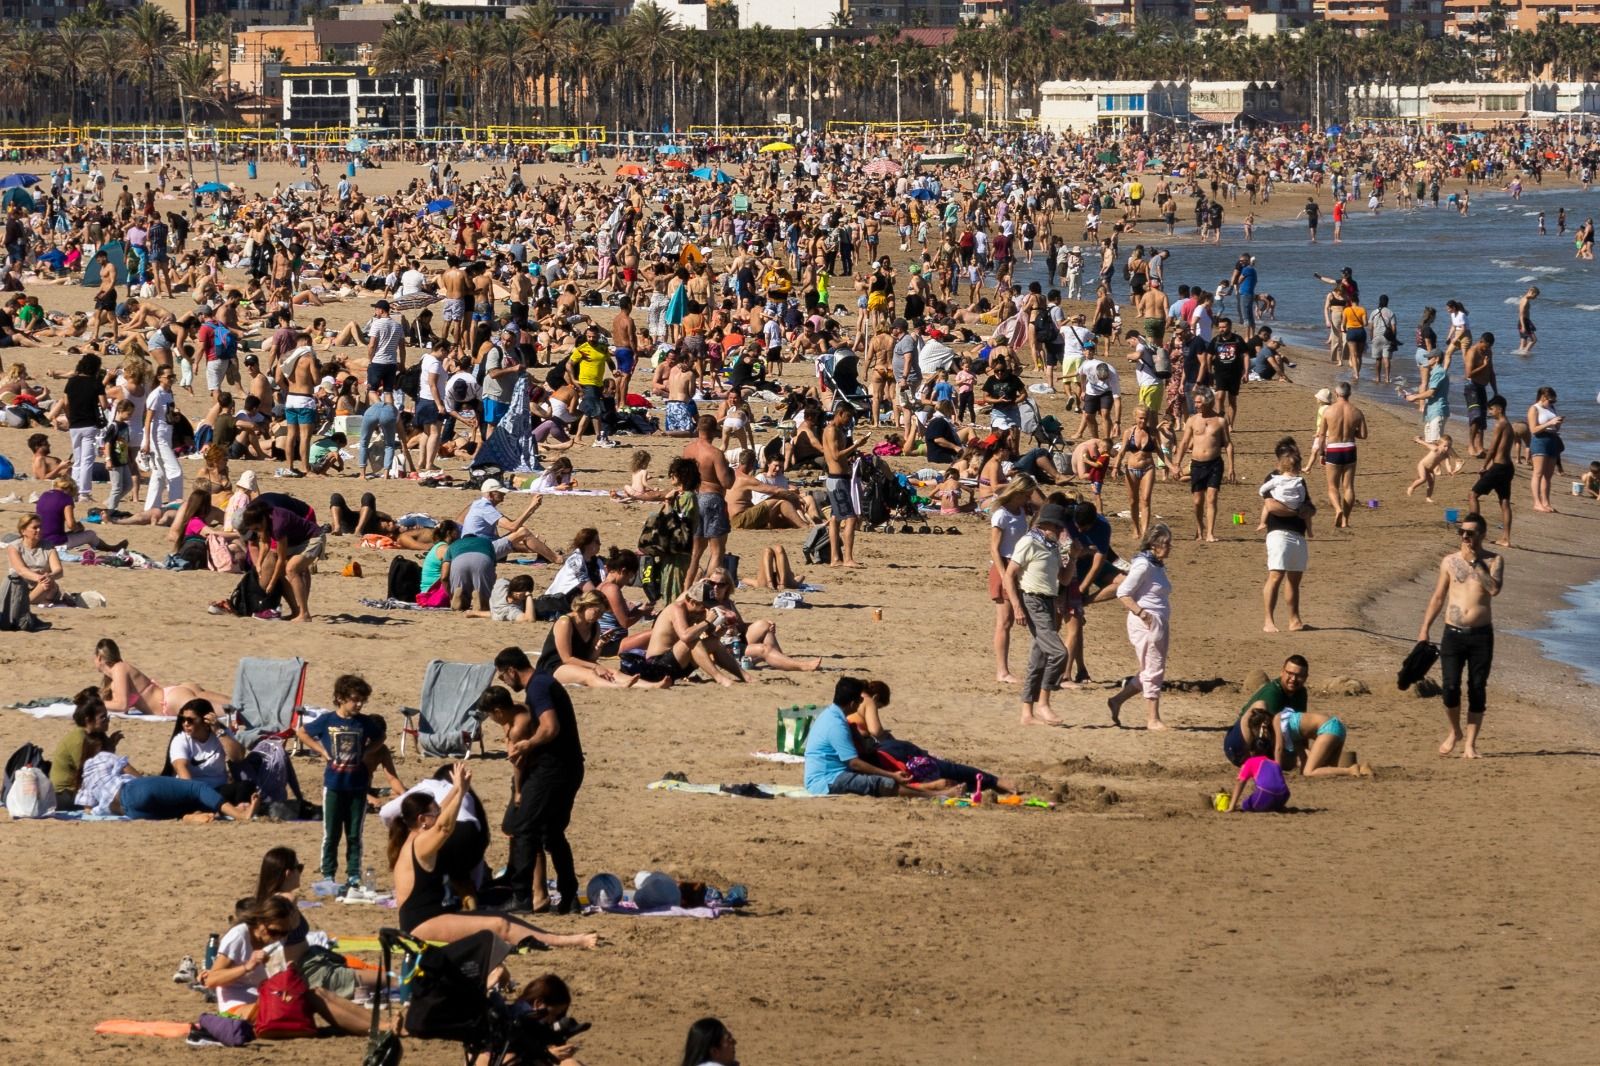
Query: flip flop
point(954, 531)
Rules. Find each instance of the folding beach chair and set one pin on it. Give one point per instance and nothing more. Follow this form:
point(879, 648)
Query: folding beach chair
point(447, 722)
point(268, 699)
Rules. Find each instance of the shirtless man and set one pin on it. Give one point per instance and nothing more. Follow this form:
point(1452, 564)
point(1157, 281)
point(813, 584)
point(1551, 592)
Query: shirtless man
point(299, 374)
point(683, 637)
point(682, 411)
point(624, 348)
point(1344, 424)
point(453, 286)
point(1469, 580)
point(780, 510)
point(1205, 434)
point(482, 286)
point(1479, 370)
point(716, 477)
point(838, 451)
point(1154, 309)
point(1497, 468)
point(1525, 327)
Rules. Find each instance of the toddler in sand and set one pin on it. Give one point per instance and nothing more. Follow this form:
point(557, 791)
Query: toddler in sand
point(1438, 454)
point(638, 487)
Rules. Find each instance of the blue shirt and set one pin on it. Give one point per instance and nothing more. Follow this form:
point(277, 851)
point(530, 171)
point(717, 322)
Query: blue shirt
point(829, 748)
point(345, 740)
point(1437, 405)
point(1247, 280)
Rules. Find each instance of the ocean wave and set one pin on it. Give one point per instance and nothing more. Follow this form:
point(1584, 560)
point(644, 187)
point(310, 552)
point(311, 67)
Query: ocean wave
point(1587, 307)
point(1548, 270)
point(1528, 277)
point(1508, 264)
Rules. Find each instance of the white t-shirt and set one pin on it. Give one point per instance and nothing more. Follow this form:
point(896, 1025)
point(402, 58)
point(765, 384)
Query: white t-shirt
point(571, 576)
point(1011, 527)
point(412, 282)
point(1093, 385)
point(207, 762)
point(460, 391)
point(438, 790)
point(432, 366)
point(235, 946)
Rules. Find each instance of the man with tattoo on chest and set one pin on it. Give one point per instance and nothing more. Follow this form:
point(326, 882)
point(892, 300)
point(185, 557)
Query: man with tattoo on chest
point(1469, 579)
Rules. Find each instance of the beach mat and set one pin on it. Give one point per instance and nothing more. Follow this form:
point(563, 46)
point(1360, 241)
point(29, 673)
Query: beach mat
point(783, 791)
point(64, 709)
point(132, 1027)
point(628, 909)
point(778, 756)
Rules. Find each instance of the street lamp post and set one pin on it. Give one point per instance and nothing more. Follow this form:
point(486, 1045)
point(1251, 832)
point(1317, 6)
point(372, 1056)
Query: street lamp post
point(897, 98)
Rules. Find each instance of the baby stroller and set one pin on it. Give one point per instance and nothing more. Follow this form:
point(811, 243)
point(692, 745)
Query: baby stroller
point(447, 998)
point(1044, 431)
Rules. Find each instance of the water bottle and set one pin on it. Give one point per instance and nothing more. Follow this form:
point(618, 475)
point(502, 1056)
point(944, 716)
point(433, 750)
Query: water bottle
point(211, 949)
point(369, 879)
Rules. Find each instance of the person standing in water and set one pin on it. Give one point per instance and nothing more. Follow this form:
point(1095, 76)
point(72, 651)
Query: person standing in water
point(1469, 579)
point(1525, 328)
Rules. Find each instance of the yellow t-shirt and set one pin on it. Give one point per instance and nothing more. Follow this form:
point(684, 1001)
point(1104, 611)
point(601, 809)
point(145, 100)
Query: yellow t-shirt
point(591, 364)
point(1355, 317)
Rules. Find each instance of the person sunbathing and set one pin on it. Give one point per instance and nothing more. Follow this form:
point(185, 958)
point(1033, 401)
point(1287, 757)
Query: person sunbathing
point(929, 772)
point(760, 638)
point(369, 520)
point(416, 839)
point(131, 690)
point(571, 653)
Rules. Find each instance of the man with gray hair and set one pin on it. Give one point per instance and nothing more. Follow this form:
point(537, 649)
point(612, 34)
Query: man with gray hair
point(1343, 424)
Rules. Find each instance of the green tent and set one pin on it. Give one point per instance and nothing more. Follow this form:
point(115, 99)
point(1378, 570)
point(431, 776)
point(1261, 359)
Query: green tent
point(117, 253)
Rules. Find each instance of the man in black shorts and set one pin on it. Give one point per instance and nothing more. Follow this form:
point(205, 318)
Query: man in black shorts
point(1497, 468)
point(1205, 433)
point(1227, 368)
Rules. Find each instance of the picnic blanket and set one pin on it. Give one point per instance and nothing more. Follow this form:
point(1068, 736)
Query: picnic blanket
point(777, 756)
point(632, 910)
point(784, 791)
point(86, 816)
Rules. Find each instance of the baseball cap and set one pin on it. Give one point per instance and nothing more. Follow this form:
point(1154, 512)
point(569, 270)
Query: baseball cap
point(492, 485)
point(381, 305)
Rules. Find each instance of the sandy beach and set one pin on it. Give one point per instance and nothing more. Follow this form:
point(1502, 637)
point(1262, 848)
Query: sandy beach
point(1435, 913)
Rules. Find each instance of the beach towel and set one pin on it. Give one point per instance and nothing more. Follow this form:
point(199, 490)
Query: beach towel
point(678, 306)
point(60, 708)
point(267, 693)
point(632, 910)
point(85, 816)
point(778, 756)
point(781, 791)
point(131, 1027)
point(511, 446)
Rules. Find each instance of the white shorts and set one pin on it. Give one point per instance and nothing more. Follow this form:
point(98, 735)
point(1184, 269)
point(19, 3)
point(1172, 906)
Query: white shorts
point(1433, 429)
point(1287, 551)
point(219, 371)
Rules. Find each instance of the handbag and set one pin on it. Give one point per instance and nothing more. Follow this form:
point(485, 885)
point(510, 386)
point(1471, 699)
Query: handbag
point(667, 532)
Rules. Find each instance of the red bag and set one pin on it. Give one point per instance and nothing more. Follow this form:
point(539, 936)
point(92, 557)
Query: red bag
point(283, 1007)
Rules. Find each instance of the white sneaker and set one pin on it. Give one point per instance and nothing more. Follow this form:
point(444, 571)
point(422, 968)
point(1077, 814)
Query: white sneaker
point(186, 971)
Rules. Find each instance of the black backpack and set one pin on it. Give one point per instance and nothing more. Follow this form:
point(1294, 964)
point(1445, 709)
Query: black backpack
point(667, 532)
point(405, 579)
point(28, 755)
point(16, 610)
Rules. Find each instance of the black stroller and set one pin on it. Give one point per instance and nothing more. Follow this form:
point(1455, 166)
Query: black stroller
point(448, 999)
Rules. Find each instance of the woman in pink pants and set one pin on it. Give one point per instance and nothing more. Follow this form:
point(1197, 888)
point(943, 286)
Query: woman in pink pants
point(1146, 592)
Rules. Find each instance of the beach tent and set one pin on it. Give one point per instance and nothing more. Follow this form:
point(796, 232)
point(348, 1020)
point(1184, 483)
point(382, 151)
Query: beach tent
point(708, 174)
point(117, 253)
point(16, 197)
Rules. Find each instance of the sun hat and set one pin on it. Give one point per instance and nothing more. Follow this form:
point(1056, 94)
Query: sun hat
point(1324, 395)
point(1052, 514)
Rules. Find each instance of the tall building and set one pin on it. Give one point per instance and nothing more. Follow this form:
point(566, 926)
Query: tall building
point(45, 16)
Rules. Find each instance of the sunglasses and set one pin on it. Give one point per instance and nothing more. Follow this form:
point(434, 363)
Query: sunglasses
point(189, 721)
point(1468, 531)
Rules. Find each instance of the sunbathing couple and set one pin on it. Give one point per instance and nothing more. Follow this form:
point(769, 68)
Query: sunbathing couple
point(849, 751)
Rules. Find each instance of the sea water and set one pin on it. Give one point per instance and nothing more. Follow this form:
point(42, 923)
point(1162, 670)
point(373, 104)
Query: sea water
point(1569, 635)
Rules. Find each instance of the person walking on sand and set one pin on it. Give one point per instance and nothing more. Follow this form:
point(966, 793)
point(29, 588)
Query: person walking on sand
point(1206, 436)
point(1033, 585)
point(1498, 470)
point(1146, 592)
point(1469, 579)
point(1343, 424)
point(839, 450)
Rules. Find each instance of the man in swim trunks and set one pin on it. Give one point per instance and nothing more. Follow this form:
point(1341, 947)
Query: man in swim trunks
point(839, 451)
point(716, 477)
point(624, 343)
point(1478, 366)
point(1498, 469)
point(1343, 424)
point(299, 374)
point(1469, 579)
point(1525, 327)
point(780, 510)
point(453, 287)
point(1154, 308)
point(682, 411)
point(1206, 436)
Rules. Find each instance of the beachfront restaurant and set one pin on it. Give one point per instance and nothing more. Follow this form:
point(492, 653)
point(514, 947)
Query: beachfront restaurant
point(1112, 106)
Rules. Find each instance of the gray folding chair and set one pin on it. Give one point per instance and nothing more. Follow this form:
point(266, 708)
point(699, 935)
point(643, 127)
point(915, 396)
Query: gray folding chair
point(268, 700)
point(447, 723)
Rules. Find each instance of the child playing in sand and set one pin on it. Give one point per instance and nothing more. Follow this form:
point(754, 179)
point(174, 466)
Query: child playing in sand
point(325, 453)
point(638, 487)
point(950, 492)
point(1269, 792)
point(1288, 487)
point(1591, 482)
point(1438, 454)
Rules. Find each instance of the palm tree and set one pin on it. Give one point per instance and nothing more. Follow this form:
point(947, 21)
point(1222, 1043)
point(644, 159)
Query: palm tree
point(478, 54)
point(399, 51)
point(537, 52)
point(575, 42)
point(108, 58)
point(441, 45)
point(651, 30)
point(616, 49)
point(150, 33)
point(71, 55)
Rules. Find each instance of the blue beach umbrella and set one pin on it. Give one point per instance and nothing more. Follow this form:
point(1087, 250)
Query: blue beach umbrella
point(923, 194)
point(16, 197)
point(439, 206)
point(211, 187)
point(18, 181)
point(707, 174)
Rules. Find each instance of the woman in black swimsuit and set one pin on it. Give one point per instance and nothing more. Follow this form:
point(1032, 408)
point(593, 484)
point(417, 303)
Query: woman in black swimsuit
point(569, 653)
point(415, 841)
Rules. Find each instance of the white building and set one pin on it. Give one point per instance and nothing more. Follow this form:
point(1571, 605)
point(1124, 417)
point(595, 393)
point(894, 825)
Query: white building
point(1577, 97)
point(776, 14)
point(1464, 102)
point(1086, 106)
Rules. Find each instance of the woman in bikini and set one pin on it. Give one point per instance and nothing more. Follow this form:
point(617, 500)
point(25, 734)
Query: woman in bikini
point(415, 840)
point(130, 689)
point(1312, 741)
point(1136, 463)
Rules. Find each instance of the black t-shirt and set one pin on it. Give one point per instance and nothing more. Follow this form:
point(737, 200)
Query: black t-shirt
point(1191, 358)
point(1003, 388)
point(939, 428)
point(914, 306)
point(564, 754)
point(1227, 358)
point(84, 394)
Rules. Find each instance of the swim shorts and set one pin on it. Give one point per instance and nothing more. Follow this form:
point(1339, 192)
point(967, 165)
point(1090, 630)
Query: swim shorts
point(454, 308)
point(1205, 474)
point(624, 358)
point(681, 415)
point(839, 499)
point(300, 410)
point(1340, 454)
point(1496, 479)
point(713, 515)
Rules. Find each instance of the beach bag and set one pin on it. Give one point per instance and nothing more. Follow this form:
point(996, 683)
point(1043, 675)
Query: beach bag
point(30, 794)
point(283, 1007)
point(224, 342)
point(249, 598)
point(817, 549)
point(667, 532)
point(29, 755)
point(229, 1032)
point(219, 556)
point(7, 471)
point(794, 726)
point(448, 998)
point(438, 596)
point(1161, 363)
point(405, 579)
point(16, 612)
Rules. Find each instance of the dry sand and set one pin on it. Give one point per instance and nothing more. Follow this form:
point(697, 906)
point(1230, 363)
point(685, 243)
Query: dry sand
point(1436, 913)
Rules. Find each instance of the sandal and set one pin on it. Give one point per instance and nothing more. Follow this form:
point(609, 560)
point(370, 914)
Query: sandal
point(924, 528)
point(954, 531)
